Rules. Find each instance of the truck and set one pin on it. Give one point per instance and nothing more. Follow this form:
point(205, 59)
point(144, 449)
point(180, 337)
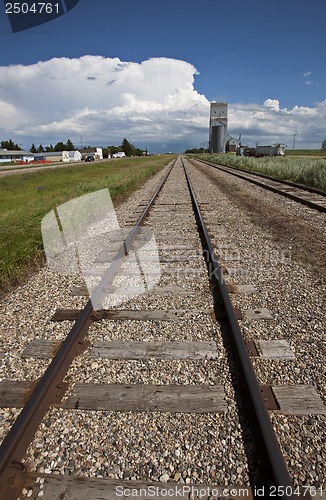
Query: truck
point(258, 151)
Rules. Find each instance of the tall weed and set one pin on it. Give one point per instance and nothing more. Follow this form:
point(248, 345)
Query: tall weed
point(307, 171)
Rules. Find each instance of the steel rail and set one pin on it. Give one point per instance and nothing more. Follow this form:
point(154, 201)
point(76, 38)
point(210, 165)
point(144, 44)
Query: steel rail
point(22, 432)
point(303, 201)
point(277, 474)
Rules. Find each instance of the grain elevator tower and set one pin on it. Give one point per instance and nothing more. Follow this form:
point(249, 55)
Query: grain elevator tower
point(218, 125)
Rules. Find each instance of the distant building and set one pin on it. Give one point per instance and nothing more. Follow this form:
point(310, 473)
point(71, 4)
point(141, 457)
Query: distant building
point(231, 145)
point(96, 152)
point(53, 156)
point(273, 150)
point(65, 156)
point(119, 154)
point(71, 156)
point(7, 155)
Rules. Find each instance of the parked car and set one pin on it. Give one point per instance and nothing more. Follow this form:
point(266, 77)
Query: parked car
point(89, 158)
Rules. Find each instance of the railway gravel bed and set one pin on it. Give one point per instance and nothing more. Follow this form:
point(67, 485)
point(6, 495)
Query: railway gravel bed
point(294, 228)
point(173, 447)
point(294, 293)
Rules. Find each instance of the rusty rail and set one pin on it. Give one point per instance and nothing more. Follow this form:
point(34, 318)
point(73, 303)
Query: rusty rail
point(266, 442)
point(24, 428)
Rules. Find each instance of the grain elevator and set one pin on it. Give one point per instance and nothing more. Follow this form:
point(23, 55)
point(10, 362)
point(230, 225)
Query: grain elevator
point(218, 124)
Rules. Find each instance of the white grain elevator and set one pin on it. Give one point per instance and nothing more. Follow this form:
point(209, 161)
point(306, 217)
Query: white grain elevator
point(218, 127)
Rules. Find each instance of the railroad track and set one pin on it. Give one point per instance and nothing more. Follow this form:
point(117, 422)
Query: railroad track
point(176, 362)
point(311, 197)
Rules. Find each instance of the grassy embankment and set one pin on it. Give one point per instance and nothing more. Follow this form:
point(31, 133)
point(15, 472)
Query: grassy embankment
point(308, 171)
point(10, 164)
point(13, 165)
point(26, 198)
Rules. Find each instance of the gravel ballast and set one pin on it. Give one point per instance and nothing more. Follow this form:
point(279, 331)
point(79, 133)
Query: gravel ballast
point(175, 447)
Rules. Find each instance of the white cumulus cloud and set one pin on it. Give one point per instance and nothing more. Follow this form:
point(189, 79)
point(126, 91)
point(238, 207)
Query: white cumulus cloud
point(103, 100)
point(269, 123)
point(272, 104)
point(153, 104)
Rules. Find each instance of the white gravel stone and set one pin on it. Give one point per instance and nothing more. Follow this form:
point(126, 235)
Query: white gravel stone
point(173, 447)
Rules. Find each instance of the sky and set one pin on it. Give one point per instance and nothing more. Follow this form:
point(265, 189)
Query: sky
point(147, 71)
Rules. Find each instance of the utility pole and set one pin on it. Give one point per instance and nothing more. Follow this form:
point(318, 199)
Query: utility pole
point(294, 136)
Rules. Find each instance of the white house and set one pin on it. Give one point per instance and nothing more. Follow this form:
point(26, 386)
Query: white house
point(119, 154)
point(66, 156)
point(71, 156)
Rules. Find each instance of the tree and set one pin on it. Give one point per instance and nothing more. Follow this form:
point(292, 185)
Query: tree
point(69, 145)
point(323, 146)
point(196, 150)
point(112, 150)
point(40, 149)
point(10, 145)
point(127, 148)
point(49, 149)
point(60, 146)
point(33, 149)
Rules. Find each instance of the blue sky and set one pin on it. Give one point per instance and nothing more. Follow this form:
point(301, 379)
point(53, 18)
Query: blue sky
point(265, 58)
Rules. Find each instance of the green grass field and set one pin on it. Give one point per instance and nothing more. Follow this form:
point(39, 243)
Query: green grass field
point(307, 171)
point(26, 198)
point(306, 152)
